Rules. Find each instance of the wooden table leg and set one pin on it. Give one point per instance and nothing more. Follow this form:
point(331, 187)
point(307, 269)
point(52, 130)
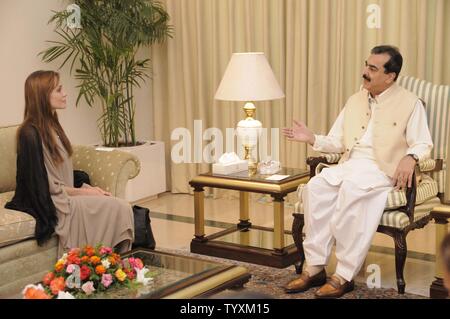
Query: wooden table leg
point(278, 226)
point(199, 213)
point(244, 216)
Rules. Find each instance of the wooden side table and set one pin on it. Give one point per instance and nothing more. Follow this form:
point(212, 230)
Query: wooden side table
point(244, 241)
point(440, 214)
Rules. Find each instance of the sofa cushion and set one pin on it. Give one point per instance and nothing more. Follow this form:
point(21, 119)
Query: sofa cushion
point(8, 158)
point(14, 225)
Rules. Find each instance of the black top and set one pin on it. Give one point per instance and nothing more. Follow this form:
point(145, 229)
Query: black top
point(32, 193)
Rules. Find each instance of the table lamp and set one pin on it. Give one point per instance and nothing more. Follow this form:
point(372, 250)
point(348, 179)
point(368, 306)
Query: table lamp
point(249, 78)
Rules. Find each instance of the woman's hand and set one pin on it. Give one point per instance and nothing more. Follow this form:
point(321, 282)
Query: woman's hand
point(94, 191)
point(299, 132)
point(86, 190)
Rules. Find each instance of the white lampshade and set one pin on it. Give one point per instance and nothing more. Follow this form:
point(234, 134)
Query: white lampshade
point(249, 77)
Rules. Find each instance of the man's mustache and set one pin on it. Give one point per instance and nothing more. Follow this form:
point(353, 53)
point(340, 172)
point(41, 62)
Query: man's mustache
point(365, 77)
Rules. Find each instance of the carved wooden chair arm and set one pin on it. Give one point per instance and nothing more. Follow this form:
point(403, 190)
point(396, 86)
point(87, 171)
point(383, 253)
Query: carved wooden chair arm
point(312, 162)
point(408, 209)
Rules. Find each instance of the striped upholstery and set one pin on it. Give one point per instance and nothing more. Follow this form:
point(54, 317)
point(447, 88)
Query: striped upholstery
point(426, 189)
point(332, 157)
point(398, 219)
point(427, 165)
point(437, 100)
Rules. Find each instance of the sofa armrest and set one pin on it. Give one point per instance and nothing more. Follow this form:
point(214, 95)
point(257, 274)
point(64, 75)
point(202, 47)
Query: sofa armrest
point(109, 170)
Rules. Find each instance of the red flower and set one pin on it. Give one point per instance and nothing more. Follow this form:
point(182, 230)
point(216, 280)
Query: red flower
point(74, 251)
point(89, 250)
point(130, 273)
point(57, 284)
point(73, 259)
point(85, 272)
point(48, 278)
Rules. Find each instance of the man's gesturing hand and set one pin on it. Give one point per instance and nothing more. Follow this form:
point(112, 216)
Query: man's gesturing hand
point(403, 174)
point(299, 132)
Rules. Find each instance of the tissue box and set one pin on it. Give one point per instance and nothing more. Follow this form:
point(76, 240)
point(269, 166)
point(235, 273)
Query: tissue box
point(230, 168)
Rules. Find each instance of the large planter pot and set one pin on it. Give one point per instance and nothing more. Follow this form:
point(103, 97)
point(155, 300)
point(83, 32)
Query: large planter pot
point(151, 179)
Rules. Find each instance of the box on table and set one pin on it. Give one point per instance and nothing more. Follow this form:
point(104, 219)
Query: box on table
point(230, 168)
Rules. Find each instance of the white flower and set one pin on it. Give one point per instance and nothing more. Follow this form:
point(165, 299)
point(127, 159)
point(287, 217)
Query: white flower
point(64, 257)
point(64, 295)
point(106, 263)
point(140, 276)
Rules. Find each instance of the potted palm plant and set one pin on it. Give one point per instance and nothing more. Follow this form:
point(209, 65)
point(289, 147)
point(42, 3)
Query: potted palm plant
point(102, 54)
point(102, 50)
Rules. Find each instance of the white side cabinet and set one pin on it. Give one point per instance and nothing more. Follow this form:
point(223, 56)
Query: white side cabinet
point(151, 180)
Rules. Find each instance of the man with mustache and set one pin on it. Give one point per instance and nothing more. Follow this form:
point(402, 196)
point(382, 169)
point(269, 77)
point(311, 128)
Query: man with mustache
point(382, 132)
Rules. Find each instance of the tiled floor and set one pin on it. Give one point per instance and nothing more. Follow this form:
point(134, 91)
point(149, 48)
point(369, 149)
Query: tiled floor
point(173, 227)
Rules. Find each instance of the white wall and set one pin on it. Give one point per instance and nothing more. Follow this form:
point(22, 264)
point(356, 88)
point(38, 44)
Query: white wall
point(23, 32)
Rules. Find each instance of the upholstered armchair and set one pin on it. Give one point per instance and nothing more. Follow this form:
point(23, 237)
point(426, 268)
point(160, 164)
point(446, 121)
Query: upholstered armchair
point(109, 170)
point(410, 209)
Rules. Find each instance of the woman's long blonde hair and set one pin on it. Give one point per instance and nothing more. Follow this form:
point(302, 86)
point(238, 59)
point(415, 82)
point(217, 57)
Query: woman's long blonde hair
point(38, 112)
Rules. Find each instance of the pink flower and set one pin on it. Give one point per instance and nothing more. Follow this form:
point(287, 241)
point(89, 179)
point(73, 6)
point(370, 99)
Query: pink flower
point(70, 268)
point(107, 280)
point(135, 263)
point(138, 263)
point(105, 250)
point(88, 287)
point(131, 261)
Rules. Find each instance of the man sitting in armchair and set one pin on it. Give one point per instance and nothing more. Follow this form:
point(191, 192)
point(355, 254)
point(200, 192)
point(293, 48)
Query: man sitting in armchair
point(382, 132)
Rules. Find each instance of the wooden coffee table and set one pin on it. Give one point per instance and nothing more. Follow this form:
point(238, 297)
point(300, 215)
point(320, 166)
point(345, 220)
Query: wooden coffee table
point(246, 242)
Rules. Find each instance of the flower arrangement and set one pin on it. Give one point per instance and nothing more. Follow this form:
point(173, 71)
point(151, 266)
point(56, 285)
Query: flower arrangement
point(83, 272)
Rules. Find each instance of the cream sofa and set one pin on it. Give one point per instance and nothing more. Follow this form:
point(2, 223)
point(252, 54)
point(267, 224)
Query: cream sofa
point(22, 261)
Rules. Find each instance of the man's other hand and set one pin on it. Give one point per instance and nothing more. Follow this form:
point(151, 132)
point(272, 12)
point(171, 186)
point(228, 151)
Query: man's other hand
point(404, 173)
point(299, 132)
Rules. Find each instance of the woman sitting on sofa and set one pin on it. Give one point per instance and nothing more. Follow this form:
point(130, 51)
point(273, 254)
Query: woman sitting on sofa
point(79, 216)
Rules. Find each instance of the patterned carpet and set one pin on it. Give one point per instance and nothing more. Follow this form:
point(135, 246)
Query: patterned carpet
point(270, 281)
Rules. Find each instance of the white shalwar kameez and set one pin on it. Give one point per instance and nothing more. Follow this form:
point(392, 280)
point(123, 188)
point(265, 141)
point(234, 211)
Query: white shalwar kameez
point(344, 203)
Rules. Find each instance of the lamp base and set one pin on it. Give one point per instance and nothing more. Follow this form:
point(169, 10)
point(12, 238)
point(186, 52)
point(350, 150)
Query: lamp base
point(252, 164)
point(249, 130)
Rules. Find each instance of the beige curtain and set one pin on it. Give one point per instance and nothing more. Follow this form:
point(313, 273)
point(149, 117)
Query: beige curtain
point(316, 49)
